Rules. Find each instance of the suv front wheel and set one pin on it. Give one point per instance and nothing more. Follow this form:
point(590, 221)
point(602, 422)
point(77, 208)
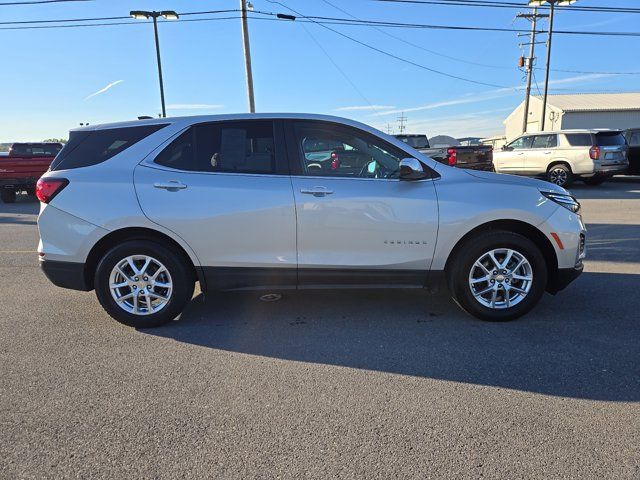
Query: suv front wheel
point(498, 276)
point(143, 284)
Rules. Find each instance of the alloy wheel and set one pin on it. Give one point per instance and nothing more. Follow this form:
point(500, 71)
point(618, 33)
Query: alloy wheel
point(500, 278)
point(140, 284)
point(558, 176)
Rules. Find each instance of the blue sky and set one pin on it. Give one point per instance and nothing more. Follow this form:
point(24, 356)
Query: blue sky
point(53, 79)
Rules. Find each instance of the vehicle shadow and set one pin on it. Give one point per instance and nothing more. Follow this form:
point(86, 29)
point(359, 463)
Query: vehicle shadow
point(584, 343)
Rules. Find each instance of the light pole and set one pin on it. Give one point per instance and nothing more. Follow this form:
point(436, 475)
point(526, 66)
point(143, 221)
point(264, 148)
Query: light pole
point(167, 15)
point(552, 5)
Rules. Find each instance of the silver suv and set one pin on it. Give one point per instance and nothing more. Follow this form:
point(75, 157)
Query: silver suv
point(560, 157)
point(140, 211)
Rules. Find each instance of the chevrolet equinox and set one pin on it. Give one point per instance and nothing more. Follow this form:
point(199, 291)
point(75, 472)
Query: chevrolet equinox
point(139, 211)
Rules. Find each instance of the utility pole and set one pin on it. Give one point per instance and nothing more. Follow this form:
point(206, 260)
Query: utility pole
point(247, 55)
point(401, 120)
point(552, 6)
point(529, 62)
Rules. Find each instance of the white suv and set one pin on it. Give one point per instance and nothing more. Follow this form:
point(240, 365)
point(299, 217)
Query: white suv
point(140, 211)
point(560, 157)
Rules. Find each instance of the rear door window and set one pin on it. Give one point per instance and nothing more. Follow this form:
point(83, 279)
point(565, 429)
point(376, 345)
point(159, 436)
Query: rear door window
point(544, 141)
point(86, 148)
point(610, 139)
point(579, 139)
point(233, 147)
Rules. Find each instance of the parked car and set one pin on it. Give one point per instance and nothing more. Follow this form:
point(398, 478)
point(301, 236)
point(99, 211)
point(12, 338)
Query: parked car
point(563, 156)
point(633, 140)
point(21, 167)
point(475, 157)
point(141, 210)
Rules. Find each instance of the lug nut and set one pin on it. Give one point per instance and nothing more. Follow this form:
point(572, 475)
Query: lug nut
point(495, 272)
point(146, 278)
point(135, 287)
point(136, 279)
point(493, 281)
point(499, 285)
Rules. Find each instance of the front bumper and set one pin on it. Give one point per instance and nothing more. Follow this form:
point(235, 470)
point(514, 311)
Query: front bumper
point(65, 274)
point(564, 277)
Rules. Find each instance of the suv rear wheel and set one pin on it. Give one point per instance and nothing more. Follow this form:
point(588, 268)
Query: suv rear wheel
point(142, 284)
point(560, 174)
point(498, 276)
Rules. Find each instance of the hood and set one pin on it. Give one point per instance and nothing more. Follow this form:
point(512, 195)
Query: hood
point(515, 180)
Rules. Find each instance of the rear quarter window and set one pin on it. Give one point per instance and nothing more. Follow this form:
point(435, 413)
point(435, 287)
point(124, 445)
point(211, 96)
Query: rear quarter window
point(579, 139)
point(86, 148)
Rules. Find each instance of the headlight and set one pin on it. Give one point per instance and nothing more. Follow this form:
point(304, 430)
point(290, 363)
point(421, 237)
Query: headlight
point(567, 201)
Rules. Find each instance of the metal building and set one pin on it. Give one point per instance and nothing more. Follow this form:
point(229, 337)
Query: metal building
point(581, 110)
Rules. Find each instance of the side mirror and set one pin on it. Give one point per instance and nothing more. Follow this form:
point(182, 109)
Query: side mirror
point(411, 169)
point(505, 148)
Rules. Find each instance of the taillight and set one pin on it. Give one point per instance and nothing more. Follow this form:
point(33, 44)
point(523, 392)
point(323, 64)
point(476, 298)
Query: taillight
point(452, 156)
point(335, 161)
point(47, 188)
point(594, 153)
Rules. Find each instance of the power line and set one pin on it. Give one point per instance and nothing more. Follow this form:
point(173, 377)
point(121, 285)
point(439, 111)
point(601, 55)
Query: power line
point(420, 47)
point(391, 55)
point(323, 20)
point(37, 2)
point(512, 5)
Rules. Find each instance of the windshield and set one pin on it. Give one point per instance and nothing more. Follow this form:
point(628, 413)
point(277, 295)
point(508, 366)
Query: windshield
point(415, 141)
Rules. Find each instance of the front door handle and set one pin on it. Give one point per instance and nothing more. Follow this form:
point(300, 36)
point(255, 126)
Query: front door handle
point(316, 191)
point(547, 153)
point(171, 185)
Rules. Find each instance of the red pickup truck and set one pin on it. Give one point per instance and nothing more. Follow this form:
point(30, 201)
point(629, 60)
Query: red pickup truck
point(21, 167)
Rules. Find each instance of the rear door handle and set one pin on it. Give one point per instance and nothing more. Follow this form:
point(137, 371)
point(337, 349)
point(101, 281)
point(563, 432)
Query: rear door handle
point(171, 185)
point(547, 153)
point(316, 191)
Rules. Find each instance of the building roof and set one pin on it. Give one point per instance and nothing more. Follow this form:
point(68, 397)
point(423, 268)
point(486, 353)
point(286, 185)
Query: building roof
point(591, 102)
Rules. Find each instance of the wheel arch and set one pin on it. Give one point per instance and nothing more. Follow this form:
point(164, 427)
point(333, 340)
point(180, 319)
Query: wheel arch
point(136, 233)
point(559, 161)
point(523, 228)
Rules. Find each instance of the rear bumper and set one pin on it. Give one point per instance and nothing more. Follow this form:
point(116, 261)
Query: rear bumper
point(564, 277)
point(612, 169)
point(65, 274)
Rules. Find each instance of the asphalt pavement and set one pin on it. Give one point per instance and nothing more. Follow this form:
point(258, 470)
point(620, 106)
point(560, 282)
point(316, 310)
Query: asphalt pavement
point(359, 384)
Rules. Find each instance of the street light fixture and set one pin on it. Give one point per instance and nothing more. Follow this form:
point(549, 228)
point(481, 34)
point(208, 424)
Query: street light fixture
point(552, 5)
point(167, 15)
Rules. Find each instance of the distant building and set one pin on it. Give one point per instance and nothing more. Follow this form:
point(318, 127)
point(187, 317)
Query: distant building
point(581, 110)
point(496, 141)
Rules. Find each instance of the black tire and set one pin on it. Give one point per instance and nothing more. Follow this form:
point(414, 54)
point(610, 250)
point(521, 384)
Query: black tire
point(459, 270)
point(560, 174)
point(8, 195)
point(595, 180)
point(181, 275)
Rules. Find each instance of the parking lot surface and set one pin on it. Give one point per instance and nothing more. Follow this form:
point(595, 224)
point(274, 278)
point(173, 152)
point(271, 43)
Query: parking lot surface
point(321, 384)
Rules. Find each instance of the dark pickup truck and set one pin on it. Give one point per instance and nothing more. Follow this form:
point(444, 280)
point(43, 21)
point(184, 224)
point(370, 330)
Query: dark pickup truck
point(633, 154)
point(475, 157)
point(21, 167)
